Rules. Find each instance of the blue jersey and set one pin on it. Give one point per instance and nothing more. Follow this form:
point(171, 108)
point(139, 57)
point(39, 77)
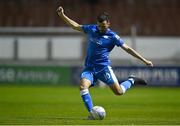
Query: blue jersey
point(99, 46)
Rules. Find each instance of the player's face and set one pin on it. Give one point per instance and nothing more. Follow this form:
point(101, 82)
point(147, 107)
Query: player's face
point(103, 26)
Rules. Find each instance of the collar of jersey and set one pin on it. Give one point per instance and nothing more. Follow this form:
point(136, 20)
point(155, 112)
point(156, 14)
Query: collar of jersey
point(102, 32)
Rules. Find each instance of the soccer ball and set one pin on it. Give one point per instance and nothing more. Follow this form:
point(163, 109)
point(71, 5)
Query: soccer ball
point(98, 113)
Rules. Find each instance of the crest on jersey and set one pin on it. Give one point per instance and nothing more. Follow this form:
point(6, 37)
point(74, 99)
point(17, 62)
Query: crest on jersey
point(96, 41)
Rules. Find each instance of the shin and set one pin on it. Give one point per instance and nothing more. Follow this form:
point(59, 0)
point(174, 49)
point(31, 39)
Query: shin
point(86, 97)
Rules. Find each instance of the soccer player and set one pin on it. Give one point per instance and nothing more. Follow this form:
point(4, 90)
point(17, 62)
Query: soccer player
point(101, 40)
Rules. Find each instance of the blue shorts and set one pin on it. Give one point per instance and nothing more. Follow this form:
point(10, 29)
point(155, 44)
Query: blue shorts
point(106, 75)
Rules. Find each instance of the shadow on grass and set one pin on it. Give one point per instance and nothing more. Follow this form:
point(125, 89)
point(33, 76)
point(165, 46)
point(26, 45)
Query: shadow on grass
point(41, 120)
point(50, 118)
point(67, 118)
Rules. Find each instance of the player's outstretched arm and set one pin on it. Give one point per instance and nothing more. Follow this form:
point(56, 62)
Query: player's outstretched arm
point(68, 21)
point(136, 54)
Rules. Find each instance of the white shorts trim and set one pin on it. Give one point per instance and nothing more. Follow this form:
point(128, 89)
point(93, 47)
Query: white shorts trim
point(112, 74)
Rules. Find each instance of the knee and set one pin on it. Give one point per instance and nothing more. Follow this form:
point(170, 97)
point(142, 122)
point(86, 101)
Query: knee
point(118, 93)
point(117, 90)
point(82, 87)
point(84, 84)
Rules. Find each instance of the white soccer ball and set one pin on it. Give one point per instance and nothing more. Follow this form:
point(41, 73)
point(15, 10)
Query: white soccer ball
point(98, 113)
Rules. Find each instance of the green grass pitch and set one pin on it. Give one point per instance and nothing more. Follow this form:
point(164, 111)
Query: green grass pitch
point(56, 105)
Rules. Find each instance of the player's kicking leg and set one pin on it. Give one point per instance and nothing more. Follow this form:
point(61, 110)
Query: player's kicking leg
point(120, 89)
point(108, 76)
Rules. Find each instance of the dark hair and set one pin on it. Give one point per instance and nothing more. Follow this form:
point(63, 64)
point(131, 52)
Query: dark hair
point(103, 17)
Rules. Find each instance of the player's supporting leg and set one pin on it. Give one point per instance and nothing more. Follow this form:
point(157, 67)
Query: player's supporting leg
point(86, 97)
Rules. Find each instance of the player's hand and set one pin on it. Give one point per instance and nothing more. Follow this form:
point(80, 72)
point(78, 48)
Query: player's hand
point(149, 63)
point(60, 11)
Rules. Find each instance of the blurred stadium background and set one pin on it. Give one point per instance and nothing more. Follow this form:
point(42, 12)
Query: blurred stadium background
point(37, 47)
point(32, 37)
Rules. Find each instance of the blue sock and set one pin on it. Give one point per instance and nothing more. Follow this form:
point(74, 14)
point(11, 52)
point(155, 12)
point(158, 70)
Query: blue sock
point(87, 99)
point(126, 84)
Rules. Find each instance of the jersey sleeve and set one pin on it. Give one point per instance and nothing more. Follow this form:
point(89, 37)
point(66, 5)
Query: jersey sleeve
point(87, 28)
point(118, 41)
